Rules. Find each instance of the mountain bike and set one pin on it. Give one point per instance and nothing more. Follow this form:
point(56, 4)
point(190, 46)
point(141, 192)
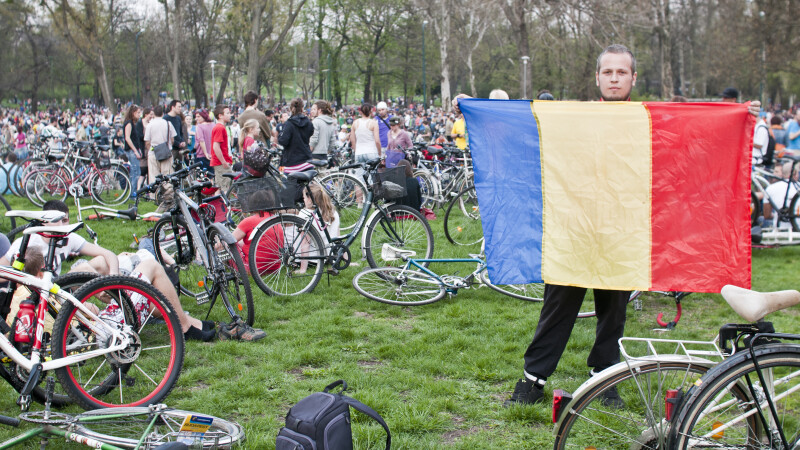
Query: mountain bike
point(115, 342)
point(287, 252)
point(653, 380)
point(206, 257)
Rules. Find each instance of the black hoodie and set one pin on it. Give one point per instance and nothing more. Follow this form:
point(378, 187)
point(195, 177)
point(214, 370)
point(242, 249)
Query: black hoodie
point(294, 138)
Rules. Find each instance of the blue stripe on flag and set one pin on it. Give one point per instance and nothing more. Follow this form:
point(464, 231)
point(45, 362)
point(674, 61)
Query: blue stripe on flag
point(504, 141)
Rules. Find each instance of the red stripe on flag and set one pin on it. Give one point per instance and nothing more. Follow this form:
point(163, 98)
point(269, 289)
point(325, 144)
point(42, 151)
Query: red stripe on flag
point(701, 196)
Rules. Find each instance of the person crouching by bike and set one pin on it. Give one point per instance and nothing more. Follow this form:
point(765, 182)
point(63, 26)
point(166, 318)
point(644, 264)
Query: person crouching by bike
point(294, 138)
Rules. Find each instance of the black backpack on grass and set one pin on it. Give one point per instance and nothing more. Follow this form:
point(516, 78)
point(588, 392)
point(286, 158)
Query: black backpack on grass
point(321, 421)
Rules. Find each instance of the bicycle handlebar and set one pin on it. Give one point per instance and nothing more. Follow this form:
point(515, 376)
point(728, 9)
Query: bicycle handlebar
point(10, 421)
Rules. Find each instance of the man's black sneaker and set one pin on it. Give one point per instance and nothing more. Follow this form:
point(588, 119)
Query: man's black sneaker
point(610, 398)
point(526, 392)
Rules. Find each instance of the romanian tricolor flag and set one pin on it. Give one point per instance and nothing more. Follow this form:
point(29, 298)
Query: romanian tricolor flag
point(614, 195)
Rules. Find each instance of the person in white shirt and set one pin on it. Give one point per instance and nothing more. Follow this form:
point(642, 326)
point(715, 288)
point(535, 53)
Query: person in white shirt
point(760, 139)
point(779, 192)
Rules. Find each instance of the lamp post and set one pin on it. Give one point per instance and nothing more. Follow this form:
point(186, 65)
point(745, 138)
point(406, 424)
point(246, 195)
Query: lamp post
point(424, 80)
point(138, 92)
point(763, 83)
point(213, 81)
point(525, 76)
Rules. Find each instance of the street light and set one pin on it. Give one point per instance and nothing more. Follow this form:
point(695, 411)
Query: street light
point(763, 83)
point(213, 81)
point(424, 80)
point(138, 92)
point(525, 76)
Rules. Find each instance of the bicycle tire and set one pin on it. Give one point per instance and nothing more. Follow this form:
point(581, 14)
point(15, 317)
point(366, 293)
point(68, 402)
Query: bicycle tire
point(68, 282)
point(48, 185)
point(391, 285)
point(724, 397)
point(402, 227)
point(274, 253)
point(462, 219)
point(794, 211)
point(532, 292)
point(227, 266)
point(190, 269)
point(7, 224)
point(590, 422)
point(427, 187)
point(140, 374)
point(125, 426)
point(103, 186)
point(345, 190)
point(4, 176)
point(755, 208)
point(26, 188)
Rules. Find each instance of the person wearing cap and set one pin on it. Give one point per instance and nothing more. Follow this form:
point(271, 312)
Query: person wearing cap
point(730, 95)
point(203, 138)
point(383, 117)
point(398, 141)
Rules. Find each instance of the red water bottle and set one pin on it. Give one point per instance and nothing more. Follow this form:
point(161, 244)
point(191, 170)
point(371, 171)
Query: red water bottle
point(24, 329)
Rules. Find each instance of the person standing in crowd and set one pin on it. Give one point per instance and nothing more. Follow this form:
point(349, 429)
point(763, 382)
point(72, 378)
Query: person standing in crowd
point(220, 152)
point(294, 138)
point(131, 144)
point(382, 118)
point(191, 133)
point(159, 131)
point(281, 121)
point(251, 112)
point(398, 141)
point(323, 141)
point(21, 143)
point(141, 125)
point(173, 116)
point(203, 139)
point(779, 134)
point(793, 132)
point(459, 131)
point(364, 137)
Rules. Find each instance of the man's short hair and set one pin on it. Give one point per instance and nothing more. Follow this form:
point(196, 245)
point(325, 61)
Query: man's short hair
point(158, 110)
point(250, 98)
point(776, 120)
point(219, 110)
point(617, 49)
point(269, 112)
point(55, 205)
point(173, 103)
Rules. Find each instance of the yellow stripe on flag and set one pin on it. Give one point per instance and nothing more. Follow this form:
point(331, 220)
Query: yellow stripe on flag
point(596, 164)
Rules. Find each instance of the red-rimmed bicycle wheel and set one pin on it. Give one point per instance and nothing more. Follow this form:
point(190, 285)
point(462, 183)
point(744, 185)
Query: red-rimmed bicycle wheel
point(141, 373)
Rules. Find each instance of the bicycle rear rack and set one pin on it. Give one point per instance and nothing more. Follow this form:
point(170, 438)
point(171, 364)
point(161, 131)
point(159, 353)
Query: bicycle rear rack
point(635, 349)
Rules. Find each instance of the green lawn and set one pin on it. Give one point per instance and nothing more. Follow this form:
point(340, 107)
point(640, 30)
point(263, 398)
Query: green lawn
point(437, 373)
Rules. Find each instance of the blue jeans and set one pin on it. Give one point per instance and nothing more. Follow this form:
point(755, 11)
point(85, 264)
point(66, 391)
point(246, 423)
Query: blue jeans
point(133, 171)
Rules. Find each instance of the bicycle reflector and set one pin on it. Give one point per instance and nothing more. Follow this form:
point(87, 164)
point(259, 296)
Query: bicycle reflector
point(718, 434)
point(670, 401)
point(560, 399)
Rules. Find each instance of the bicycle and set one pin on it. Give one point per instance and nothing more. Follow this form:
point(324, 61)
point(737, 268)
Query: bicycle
point(651, 382)
point(206, 257)
point(751, 399)
point(118, 356)
point(285, 243)
point(415, 284)
point(127, 427)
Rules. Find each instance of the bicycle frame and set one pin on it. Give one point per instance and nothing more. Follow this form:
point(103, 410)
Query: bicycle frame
point(449, 285)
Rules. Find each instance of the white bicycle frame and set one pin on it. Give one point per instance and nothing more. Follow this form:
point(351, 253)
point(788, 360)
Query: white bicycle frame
point(46, 288)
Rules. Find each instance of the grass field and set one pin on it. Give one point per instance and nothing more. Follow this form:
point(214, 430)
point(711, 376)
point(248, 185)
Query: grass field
point(437, 373)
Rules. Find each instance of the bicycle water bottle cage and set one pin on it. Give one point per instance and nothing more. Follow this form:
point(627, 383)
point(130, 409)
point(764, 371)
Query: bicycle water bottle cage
point(736, 337)
point(389, 253)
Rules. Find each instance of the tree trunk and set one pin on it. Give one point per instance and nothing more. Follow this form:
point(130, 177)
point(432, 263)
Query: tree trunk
point(442, 27)
point(102, 79)
point(173, 46)
point(252, 47)
point(224, 83)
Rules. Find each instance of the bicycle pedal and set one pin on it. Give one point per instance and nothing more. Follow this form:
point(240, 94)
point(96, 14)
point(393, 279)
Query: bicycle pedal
point(333, 271)
point(202, 297)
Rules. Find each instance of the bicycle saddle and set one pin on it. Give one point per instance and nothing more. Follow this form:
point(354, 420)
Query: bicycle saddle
point(103, 147)
point(754, 306)
point(42, 216)
point(433, 150)
point(389, 253)
point(197, 185)
point(129, 213)
point(317, 162)
point(303, 176)
point(55, 229)
point(231, 175)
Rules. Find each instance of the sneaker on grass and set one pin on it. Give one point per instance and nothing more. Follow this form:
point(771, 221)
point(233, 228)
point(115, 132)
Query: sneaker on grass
point(526, 392)
point(239, 331)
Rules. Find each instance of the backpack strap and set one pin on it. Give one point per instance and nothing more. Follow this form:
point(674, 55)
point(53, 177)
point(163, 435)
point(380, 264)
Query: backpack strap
point(370, 412)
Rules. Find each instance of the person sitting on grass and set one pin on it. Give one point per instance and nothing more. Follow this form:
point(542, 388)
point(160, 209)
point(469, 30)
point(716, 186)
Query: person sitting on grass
point(329, 215)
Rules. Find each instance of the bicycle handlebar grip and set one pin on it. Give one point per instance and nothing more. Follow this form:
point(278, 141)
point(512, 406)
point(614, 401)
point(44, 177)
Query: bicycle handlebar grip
point(10, 421)
point(145, 189)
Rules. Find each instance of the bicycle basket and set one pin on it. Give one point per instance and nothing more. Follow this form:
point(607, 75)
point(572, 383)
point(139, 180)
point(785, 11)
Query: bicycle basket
point(266, 194)
point(390, 183)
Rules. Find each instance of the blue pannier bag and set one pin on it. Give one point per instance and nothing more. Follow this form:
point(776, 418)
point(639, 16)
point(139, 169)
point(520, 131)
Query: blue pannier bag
point(321, 421)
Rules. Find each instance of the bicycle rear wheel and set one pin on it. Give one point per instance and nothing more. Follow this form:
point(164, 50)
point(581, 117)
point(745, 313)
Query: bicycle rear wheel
point(176, 243)
point(532, 292)
point(724, 412)
point(124, 427)
point(347, 194)
point(140, 374)
point(592, 421)
point(286, 256)
point(402, 227)
point(47, 186)
point(110, 187)
point(462, 221)
point(396, 286)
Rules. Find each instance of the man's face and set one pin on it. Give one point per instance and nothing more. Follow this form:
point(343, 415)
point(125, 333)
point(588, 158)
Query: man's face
point(383, 112)
point(226, 116)
point(615, 78)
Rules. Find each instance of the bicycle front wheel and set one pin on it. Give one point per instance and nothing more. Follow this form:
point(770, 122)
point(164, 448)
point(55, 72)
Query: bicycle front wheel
point(110, 187)
point(532, 292)
point(140, 374)
point(401, 227)
point(230, 278)
point(730, 409)
point(397, 286)
point(124, 427)
point(462, 221)
point(347, 194)
point(640, 422)
point(286, 256)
